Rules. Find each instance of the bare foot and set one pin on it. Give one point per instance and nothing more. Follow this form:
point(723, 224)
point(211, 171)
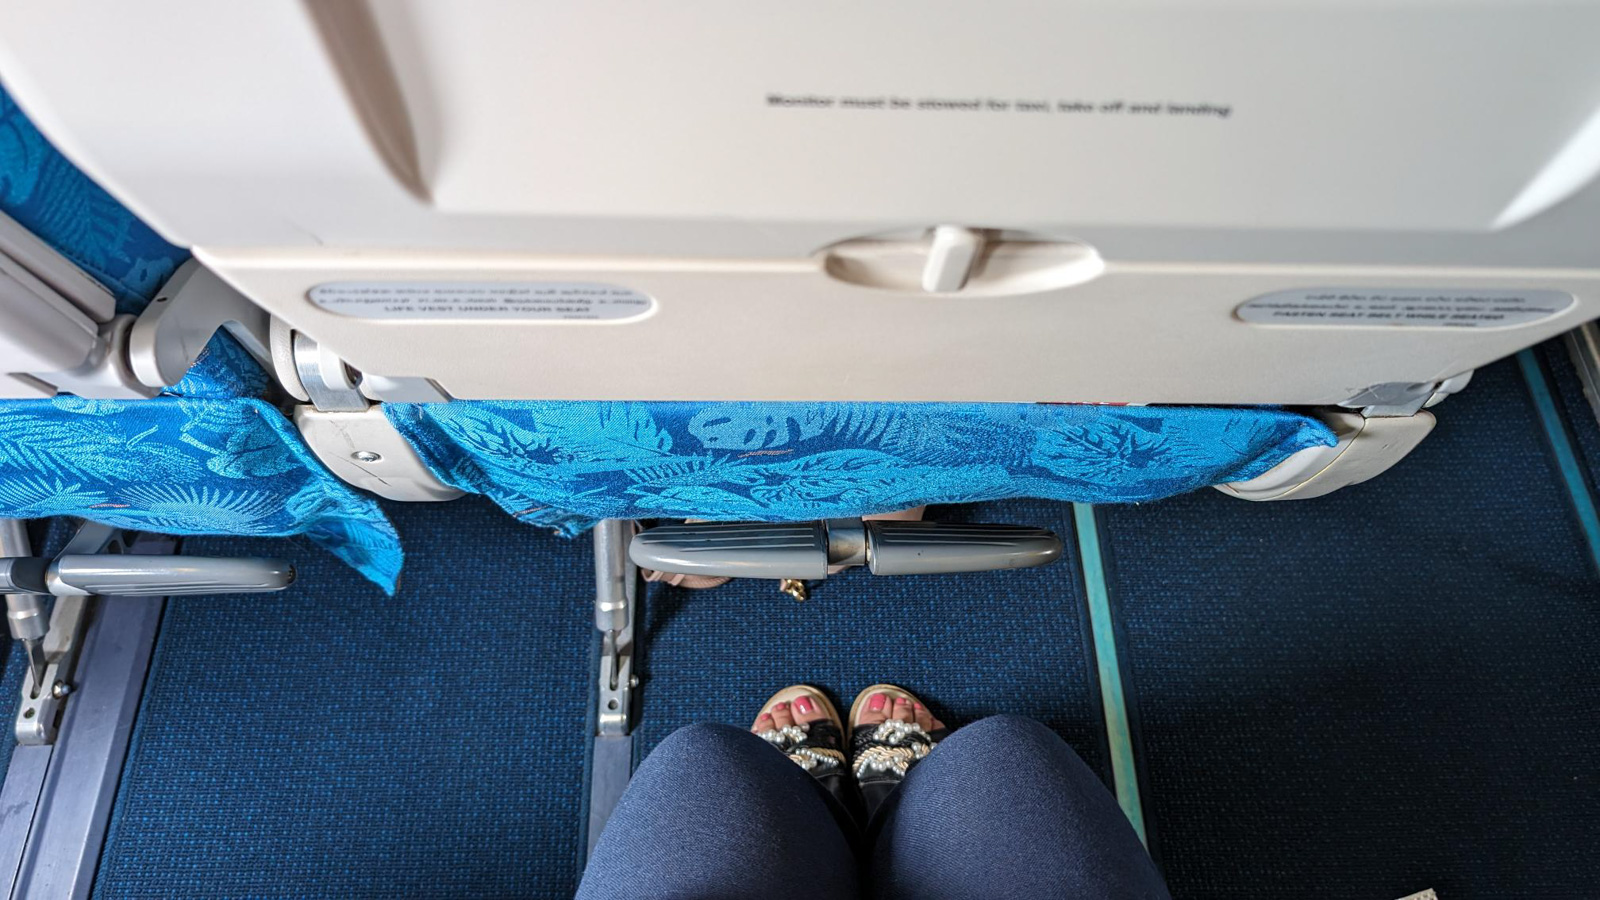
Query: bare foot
point(805, 728)
point(804, 709)
point(880, 707)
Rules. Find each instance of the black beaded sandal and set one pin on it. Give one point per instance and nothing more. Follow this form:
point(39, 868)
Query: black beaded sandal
point(881, 755)
point(817, 747)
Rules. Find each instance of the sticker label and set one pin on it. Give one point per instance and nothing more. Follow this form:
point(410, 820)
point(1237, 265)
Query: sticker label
point(1405, 308)
point(550, 301)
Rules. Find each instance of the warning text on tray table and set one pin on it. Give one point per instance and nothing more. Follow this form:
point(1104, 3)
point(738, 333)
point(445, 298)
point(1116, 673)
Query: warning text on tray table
point(503, 300)
point(1405, 308)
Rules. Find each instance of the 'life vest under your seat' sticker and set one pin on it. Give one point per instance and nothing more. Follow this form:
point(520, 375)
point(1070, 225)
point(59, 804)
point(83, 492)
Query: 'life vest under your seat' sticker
point(1404, 307)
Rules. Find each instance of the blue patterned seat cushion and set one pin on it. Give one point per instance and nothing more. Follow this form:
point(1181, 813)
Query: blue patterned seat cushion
point(206, 463)
point(565, 464)
point(47, 195)
point(208, 457)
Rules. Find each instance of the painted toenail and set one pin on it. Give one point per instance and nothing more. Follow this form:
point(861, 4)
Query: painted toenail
point(780, 706)
point(876, 702)
point(803, 704)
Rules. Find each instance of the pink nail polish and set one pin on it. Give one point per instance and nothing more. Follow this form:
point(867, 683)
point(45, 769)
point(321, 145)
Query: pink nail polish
point(876, 702)
point(780, 706)
point(803, 704)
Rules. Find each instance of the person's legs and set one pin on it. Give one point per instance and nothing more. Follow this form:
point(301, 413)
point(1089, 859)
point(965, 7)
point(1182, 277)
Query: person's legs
point(716, 813)
point(1003, 808)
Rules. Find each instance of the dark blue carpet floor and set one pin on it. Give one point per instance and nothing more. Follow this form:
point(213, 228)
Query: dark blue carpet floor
point(969, 645)
point(1360, 696)
point(15, 666)
point(332, 742)
point(1387, 689)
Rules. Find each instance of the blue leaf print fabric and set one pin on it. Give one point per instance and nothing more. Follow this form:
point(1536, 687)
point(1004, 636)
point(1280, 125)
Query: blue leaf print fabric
point(566, 464)
point(185, 465)
point(205, 458)
point(200, 459)
point(49, 196)
point(224, 369)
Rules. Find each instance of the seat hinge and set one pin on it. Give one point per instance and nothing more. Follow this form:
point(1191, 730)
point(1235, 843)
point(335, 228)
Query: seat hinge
point(1399, 398)
point(349, 432)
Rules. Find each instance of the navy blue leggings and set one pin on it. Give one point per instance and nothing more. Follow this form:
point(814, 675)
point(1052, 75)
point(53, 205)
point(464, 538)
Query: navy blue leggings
point(1002, 808)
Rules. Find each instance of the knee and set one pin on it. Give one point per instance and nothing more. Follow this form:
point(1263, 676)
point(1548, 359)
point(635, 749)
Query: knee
point(1005, 741)
point(1009, 729)
point(715, 764)
point(706, 743)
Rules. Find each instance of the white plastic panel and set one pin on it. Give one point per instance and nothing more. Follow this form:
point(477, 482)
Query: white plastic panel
point(363, 449)
point(24, 387)
point(1399, 115)
point(1403, 129)
point(789, 331)
point(1366, 449)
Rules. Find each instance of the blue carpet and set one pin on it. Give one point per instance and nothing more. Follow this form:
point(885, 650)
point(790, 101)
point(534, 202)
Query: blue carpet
point(1386, 689)
point(970, 645)
point(15, 666)
point(1383, 690)
point(331, 742)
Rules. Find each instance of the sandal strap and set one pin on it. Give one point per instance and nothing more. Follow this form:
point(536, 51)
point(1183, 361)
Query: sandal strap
point(817, 747)
point(816, 759)
point(784, 737)
point(888, 750)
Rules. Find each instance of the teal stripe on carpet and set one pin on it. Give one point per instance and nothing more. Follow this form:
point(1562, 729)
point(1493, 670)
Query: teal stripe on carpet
point(1561, 445)
point(1384, 689)
point(1124, 766)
